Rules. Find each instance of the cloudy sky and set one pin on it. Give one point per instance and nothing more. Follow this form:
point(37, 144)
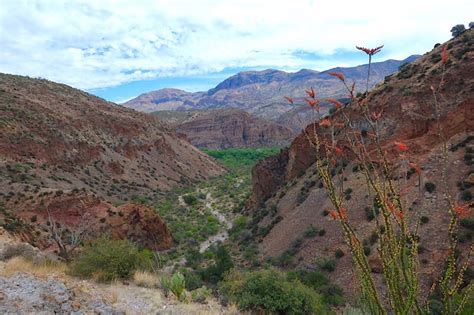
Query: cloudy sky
point(119, 49)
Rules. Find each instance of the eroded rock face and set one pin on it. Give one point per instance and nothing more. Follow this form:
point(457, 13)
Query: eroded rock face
point(142, 225)
point(220, 129)
point(267, 177)
point(82, 212)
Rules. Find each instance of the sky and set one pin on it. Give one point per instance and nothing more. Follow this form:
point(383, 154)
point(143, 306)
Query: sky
point(120, 49)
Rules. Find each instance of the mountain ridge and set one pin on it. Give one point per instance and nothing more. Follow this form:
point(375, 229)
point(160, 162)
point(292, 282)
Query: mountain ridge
point(261, 93)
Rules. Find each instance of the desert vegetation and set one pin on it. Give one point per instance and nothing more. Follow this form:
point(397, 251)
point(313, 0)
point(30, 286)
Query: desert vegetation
point(354, 132)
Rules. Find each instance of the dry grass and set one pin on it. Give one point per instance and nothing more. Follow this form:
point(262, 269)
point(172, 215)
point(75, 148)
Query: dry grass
point(42, 270)
point(146, 279)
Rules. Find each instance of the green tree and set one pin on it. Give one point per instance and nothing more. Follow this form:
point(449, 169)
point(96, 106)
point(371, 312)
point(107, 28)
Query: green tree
point(458, 30)
point(272, 292)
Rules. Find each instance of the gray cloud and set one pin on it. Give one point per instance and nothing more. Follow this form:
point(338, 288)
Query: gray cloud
point(97, 44)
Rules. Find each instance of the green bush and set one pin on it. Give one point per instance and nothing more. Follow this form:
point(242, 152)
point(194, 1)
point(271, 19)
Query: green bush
point(424, 219)
point(201, 294)
point(339, 253)
point(165, 282)
point(190, 199)
point(106, 260)
point(331, 294)
point(272, 292)
point(467, 223)
point(311, 232)
point(215, 272)
point(193, 280)
point(326, 264)
point(177, 285)
point(430, 187)
point(466, 195)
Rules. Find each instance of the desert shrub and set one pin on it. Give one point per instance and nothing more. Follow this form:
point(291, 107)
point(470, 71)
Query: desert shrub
point(140, 199)
point(214, 273)
point(457, 30)
point(177, 285)
point(466, 195)
point(322, 232)
point(424, 219)
point(339, 253)
point(201, 294)
point(190, 199)
point(326, 264)
point(331, 294)
point(302, 195)
point(193, 257)
point(310, 232)
point(467, 223)
point(165, 283)
point(193, 280)
point(272, 292)
point(430, 187)
point(105, 260)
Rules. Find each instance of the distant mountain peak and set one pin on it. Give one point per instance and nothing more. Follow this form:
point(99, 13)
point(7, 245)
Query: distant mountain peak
point(249, 77)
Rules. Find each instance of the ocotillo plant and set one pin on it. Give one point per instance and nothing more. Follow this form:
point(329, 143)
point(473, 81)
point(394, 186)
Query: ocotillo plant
point(343, 138)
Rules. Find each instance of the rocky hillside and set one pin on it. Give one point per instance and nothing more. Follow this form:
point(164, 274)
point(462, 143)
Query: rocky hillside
point(66, 153)
point(291, 206)
point(261, 92)
point(226, 128)
point(58, 137)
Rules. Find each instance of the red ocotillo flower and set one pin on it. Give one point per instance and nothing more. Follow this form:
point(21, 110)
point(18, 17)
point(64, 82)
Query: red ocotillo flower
point(343, 213)
point(370, 51)
point(338, 75)
point(333, 214)
point(311, 102)
point(339, 125)
point(290, 99)
point(401, 146)
point(325, 122)
point(311, 93)
point(461, 211)
point(334, 102)
point(444, 54)
point(338, 151)
point(394, 210)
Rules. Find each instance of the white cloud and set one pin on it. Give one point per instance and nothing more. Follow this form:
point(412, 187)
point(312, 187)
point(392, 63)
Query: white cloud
point(97, 44)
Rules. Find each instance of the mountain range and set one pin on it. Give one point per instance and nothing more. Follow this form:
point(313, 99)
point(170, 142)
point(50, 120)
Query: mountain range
point(261, 93)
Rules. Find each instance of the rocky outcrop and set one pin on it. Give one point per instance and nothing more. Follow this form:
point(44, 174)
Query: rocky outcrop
point(86, 214)
point(142, 225)
point(231, 128)
point(267, 177)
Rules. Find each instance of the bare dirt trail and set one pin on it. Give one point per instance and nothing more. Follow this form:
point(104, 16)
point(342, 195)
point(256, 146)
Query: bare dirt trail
point(226, 225)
